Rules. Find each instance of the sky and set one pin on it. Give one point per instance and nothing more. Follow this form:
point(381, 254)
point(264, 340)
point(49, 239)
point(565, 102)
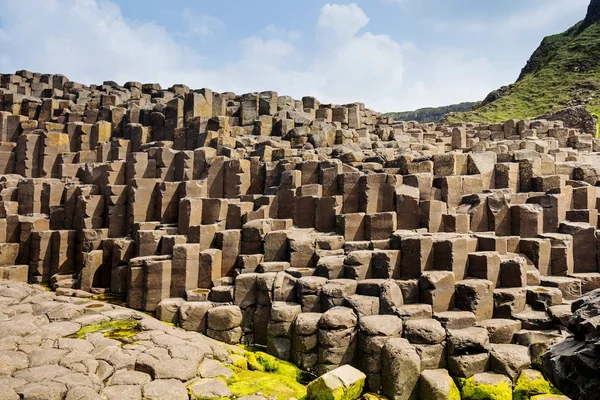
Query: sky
point(393, 55)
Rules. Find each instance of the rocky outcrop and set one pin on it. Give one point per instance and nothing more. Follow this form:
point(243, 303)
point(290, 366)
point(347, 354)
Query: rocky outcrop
point(574, 117)
point(593, 14)
point(431, 114)
point(574, 365)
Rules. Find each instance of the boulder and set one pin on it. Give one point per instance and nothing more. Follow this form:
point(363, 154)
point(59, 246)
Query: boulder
point(436, 384)
point(343, 383)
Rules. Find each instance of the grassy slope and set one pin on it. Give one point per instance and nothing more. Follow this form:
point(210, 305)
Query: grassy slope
point(563, 64)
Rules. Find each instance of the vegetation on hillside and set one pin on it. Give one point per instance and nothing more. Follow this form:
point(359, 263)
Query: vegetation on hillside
point(564, 71)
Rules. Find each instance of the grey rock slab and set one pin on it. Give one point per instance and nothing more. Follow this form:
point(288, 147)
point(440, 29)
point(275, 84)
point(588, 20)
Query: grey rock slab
point(7, 393)
point(129, 378)
point(63, 328)
point(75, 344)
point(42, 391)
point(75, 379)
point(122, 392)
point(213, 369)
point(165, 389)
point(79, 361)
point(209, 389)
point(43, 373)
point(175, 368)
point(82, 393)
point(11, 361)
point(46, 357)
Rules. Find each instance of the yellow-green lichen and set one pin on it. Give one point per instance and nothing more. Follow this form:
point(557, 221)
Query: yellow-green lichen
point(269, 384)
point(318, 390)
point(454, 392)
point(263, 362)
point(330, 387)
point(530, 384)
point(120, 330)
point(112, 298)
point(470, 390)
point(257, 372)
point(239, 361)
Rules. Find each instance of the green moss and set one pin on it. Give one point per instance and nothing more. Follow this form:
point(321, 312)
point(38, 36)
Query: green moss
point(454, 392)
point(120, 330)
point(257, 372)
point(111, 298)
point(318, 390)
point(532, 383)
point(354, 391)
point(595, 115)
point(247, 382)
point(239, 361)
point(263, 362)
point(473, 391)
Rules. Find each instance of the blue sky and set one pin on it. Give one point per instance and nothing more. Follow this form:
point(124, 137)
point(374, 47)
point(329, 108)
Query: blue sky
point(391, 54)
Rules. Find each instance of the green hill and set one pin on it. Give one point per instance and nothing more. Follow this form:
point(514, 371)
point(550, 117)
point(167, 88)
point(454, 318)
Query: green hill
point(430, 114)
point(563, 72)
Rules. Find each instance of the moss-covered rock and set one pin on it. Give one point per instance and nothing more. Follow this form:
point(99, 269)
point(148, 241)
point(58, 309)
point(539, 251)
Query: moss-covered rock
point(343, 383)
point(263, 362)
point(532, 383)
point(482, 387)
point(436, 384)
point(257, 372)
point(120, 330)
point(269, 384)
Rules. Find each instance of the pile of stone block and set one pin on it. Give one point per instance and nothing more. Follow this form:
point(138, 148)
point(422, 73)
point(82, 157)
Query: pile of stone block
point(329, 234)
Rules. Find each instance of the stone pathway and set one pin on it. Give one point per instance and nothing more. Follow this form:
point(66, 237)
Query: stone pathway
point(53, 347)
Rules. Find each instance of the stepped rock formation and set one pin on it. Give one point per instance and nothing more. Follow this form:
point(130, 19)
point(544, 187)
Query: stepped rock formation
point(329, 235)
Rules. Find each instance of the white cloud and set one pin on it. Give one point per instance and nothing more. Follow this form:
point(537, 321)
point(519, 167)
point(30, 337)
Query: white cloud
point(341, 21)
point(90, 41)
point(282, 33)
point(537, 14)
point(202, 25)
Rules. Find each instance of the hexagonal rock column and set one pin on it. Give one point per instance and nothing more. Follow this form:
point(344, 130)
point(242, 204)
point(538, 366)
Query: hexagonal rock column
point(337, 334)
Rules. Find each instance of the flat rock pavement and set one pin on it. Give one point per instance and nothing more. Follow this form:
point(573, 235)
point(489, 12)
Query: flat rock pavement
point(45, 352)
